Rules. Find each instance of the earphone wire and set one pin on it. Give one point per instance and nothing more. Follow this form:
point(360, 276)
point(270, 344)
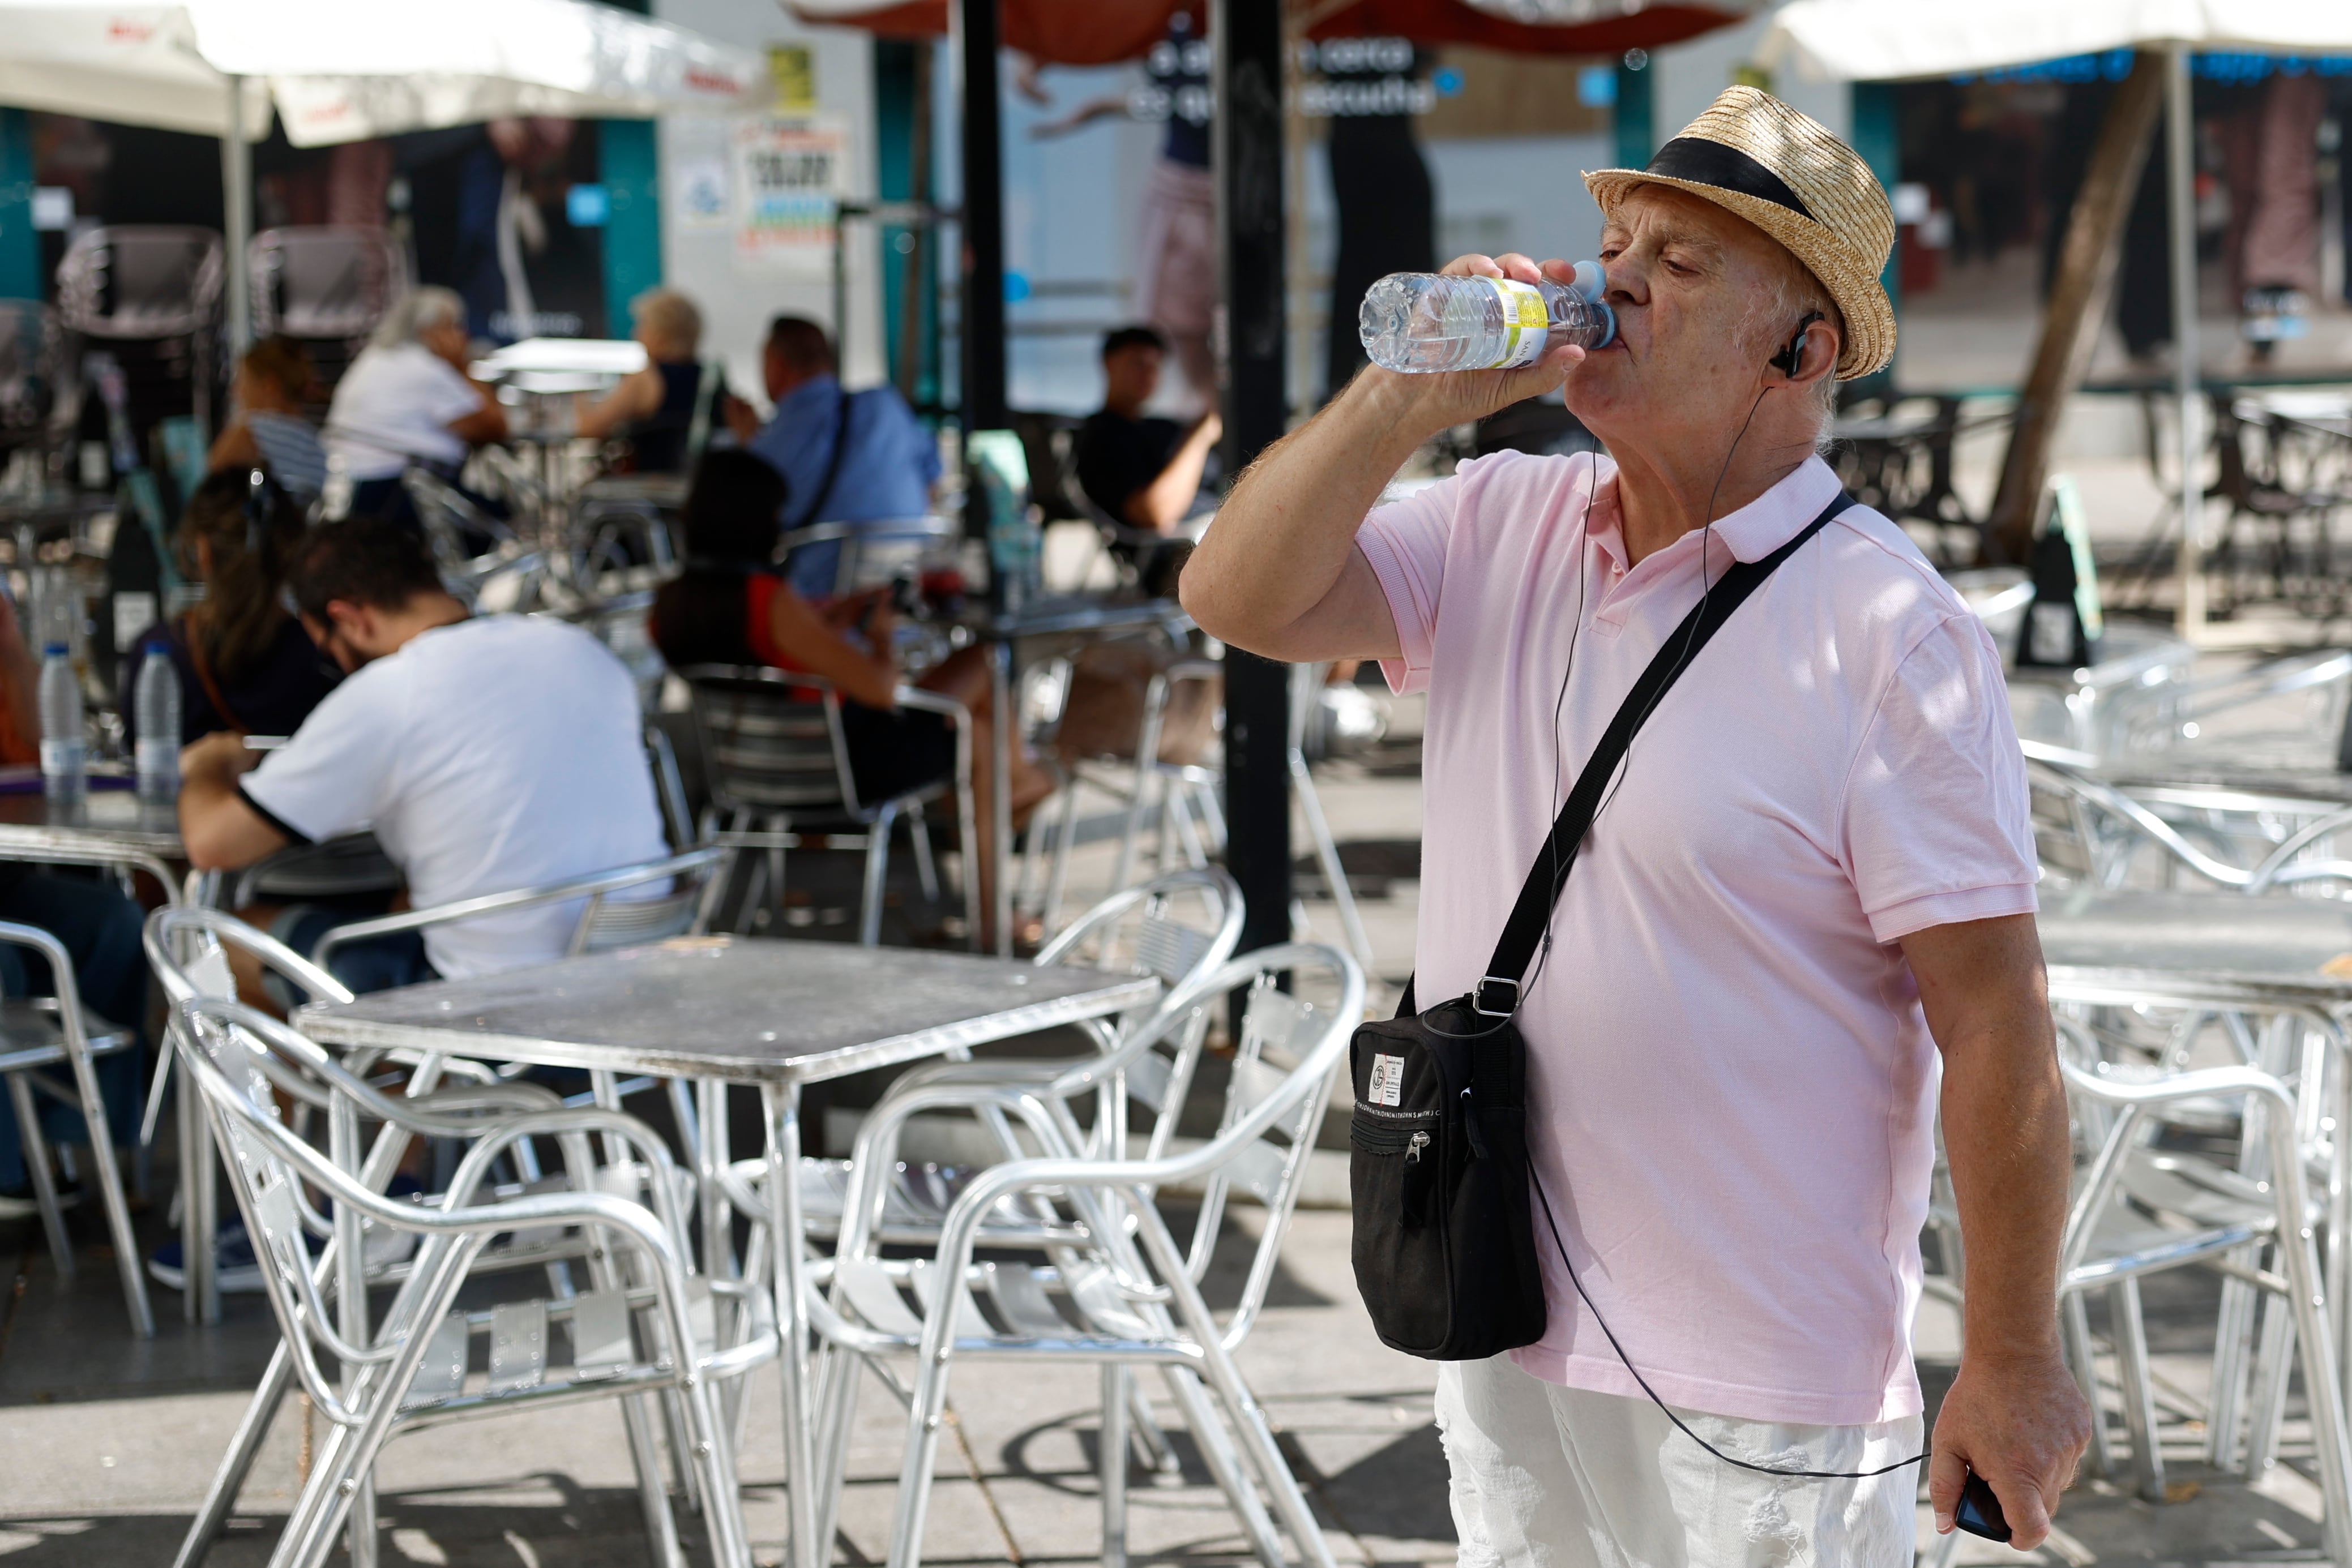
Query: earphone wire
point(1559, 878)
point(1575, 631)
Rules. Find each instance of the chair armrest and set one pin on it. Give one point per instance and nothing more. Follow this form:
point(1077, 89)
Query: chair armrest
point(60, 970)
point(42, 846)
point(2203, 1082)
point(695, 860)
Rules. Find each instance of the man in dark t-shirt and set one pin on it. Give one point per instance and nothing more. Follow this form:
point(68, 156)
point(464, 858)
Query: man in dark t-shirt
point(1144, 473)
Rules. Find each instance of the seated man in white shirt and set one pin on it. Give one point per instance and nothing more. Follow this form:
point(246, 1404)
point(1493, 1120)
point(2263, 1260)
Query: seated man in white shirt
point(486, 755)
point(407, 399)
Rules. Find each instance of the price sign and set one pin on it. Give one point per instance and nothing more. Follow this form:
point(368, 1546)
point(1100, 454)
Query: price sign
point(789, 177)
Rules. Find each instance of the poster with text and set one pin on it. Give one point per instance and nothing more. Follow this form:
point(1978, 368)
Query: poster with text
point(789, 176)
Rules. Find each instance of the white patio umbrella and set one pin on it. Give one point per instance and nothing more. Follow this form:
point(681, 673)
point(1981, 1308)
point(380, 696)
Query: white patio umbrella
point(1887, 40)
point(343, 70)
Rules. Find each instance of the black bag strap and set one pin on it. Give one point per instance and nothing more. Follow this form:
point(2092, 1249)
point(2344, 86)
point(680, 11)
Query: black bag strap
point(815, 513)
point(1497, 993)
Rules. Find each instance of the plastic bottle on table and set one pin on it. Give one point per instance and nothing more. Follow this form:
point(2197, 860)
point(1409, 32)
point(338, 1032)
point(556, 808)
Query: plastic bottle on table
point(155, 706)
point(64, 749)
point(1429, 321)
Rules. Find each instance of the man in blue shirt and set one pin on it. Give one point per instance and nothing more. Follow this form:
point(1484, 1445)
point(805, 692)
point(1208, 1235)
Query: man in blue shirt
point(847, 456)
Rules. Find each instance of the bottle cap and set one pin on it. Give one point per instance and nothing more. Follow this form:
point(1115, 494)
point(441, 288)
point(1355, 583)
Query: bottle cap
point(1588, 280)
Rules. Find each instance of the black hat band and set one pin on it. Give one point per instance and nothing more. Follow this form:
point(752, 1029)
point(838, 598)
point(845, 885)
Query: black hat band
point(1705, 162)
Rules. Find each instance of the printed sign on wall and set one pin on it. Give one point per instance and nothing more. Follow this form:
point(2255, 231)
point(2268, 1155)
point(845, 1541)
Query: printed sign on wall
point(788, 178)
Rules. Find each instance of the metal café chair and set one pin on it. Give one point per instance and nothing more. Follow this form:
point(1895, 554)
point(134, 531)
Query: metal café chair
point(43, 1034)
point(1138, 931)
point(694, 877)
point(189, 953)
point(1148, 1063)
point(33, 375)
point(605, 922)
point(635, 1334)
point(2116, 1234)
point(2090, 831)
point(474, 551)
point(148, 284)
point(873, 554)
point(325, 281)
point(38, 1035)
point(1118, 1289)
point(777, 764)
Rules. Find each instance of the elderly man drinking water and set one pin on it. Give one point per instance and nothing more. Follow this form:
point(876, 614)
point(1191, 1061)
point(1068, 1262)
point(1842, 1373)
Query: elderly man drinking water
point(1814, 876)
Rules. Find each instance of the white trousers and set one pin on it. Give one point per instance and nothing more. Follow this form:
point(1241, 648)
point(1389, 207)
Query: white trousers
point(1546, 1476)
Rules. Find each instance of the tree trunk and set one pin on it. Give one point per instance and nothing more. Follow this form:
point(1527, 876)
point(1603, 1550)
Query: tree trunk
point(2078, 301)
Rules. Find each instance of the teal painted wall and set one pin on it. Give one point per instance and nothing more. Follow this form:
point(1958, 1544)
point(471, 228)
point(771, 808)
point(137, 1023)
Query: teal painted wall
point(20, 247)
point(628, 161)
point(1636, 133)
point(1877, 136)
point(896, 81)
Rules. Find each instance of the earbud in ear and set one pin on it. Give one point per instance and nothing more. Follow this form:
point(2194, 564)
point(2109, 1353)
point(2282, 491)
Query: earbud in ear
point(1789, 358)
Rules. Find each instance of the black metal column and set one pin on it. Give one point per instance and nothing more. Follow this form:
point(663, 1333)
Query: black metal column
point(1246, 36)
point(983, 217)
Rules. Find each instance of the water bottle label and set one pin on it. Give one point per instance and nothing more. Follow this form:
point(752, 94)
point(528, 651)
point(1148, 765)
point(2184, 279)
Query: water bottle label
point(59, 757)
point(159, 760)
point(1526, 323)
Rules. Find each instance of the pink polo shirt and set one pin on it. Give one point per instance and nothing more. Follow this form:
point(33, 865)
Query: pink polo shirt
point(1733, 1088)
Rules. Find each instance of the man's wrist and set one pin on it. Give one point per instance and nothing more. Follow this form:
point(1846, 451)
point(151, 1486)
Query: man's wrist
point(1993, 1348)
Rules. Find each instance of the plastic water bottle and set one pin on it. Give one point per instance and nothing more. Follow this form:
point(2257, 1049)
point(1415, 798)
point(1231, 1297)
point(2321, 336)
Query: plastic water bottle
point(155, 706)
point(64, 751)
point(1429, 321)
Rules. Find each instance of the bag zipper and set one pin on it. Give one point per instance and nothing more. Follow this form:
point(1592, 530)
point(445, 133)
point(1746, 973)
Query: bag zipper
point(1386, 1136)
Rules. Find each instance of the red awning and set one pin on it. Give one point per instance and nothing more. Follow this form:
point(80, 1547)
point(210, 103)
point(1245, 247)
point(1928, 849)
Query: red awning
point(1101, 32)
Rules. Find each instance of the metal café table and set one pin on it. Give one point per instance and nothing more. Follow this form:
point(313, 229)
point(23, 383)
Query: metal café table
point(2297, 947)
point(773, 1014)
point(2294, 951)
point(1072, 616)
point(113, 820)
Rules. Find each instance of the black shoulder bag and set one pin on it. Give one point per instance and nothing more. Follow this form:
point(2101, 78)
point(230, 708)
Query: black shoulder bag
point(1444, 1247)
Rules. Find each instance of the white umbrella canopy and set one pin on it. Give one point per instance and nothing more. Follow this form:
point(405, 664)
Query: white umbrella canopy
point(1889, 40)
point(341, 70)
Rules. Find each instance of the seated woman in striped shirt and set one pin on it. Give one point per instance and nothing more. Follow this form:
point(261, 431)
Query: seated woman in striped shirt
point(267, 430)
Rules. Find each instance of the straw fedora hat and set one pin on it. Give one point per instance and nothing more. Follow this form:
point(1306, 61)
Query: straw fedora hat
point(1783, 171)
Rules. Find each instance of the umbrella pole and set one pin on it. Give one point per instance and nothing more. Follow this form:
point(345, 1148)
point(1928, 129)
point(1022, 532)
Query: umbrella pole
point(237, 220)
point(2180, 152)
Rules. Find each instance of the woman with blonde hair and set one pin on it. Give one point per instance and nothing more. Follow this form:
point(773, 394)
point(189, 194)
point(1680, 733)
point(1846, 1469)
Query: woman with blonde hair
point(659, 408)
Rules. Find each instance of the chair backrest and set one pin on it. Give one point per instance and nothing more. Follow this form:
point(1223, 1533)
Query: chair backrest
point(1179, 929)
point(772, 741)
point(225, 1065)
point(605, 922)
point(31, 369)
point(322, 280)
point(141, 281)
point(1304, 1003)
point(873, 554)
point(1049, 442)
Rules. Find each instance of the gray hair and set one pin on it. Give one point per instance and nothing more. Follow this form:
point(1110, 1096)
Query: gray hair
point(1791, 292)
point(417, 312)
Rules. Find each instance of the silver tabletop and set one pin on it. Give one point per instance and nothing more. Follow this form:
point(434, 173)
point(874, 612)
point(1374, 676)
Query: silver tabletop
point(777, 1014)
point(2298, 946)
point(748, 1011)
point(107, 817)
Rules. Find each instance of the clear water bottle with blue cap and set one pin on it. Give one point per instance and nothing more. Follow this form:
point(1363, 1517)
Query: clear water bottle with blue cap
point(1425, 321)
point(65, 759)
point(155, 708)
